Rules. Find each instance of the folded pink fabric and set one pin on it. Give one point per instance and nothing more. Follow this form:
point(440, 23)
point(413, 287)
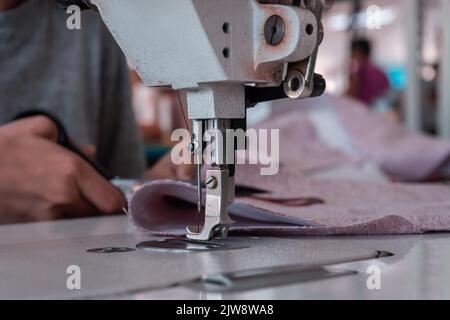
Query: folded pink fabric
point(300, 147)
point(337, 208)
point(401, 153)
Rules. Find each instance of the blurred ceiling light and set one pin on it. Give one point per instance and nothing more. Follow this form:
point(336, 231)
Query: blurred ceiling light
point(374, 17)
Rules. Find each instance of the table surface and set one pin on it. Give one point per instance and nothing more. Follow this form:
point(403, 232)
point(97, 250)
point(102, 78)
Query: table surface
point(34, 259)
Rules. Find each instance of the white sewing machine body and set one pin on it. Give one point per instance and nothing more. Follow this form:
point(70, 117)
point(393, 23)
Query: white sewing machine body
point(182, 43)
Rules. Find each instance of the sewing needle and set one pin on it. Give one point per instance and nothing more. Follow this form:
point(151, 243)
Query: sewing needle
point(199, 189)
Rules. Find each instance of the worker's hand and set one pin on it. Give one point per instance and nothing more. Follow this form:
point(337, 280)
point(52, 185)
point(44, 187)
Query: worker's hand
point(166, 169)
point(40, 180)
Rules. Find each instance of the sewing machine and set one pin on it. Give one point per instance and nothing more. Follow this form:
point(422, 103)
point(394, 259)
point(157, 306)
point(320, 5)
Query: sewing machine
point(227, 56)
point(106, 250)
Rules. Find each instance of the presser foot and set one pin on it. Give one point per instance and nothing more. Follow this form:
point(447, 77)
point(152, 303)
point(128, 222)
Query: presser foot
point(219, 194)
point(218, 231)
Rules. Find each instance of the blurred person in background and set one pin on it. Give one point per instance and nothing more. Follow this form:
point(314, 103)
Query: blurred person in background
point(80, 76)
point(367, 82)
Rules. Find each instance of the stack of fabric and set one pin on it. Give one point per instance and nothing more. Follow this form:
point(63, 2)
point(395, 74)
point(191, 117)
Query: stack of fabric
point(325, 135)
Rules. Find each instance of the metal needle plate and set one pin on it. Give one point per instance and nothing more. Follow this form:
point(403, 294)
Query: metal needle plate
point(184, 245)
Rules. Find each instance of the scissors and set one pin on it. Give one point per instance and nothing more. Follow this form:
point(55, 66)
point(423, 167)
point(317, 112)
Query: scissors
point(63, 138)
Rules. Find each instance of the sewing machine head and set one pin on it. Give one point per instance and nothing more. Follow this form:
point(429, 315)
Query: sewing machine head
point(227, 56)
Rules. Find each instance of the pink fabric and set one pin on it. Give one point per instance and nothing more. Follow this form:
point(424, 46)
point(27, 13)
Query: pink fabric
point(300, 148)
point(400, 152)
point(348, 208)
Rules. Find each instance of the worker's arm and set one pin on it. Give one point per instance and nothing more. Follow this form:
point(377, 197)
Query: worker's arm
point(39, 180)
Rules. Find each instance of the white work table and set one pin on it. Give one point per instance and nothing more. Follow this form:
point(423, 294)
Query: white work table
point(34, 260)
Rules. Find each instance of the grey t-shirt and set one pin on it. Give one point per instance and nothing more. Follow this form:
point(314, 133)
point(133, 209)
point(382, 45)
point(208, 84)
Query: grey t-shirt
point(80, 75)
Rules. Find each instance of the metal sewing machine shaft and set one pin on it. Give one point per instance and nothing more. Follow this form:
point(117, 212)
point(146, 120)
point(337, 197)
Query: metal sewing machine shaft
point(219, 179)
